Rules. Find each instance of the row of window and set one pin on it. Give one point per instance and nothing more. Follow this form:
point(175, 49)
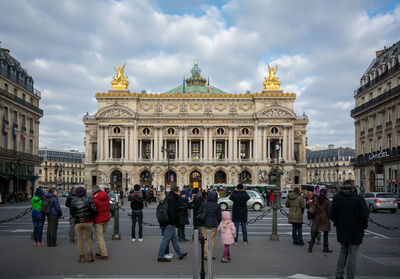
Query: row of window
point(377, 144)
point(65, 180)
point(16, 94)
point(329, 159)
point(388, 115)
point(63, 172)
point(379, 91)
point(14, 144)
point(373, 74)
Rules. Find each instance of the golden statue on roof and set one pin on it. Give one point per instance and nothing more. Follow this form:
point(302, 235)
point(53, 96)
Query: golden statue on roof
point(272, 81)
point(120, 81)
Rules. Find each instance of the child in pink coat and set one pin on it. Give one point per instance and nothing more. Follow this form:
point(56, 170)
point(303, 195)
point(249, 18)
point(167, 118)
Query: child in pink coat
point(228, 233)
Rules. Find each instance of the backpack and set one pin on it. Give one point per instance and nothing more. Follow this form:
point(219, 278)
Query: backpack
point(162, 212)
point(46, 206)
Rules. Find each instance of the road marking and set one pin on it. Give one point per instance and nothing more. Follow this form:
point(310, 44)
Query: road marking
point(372, 259)
point(377, 234)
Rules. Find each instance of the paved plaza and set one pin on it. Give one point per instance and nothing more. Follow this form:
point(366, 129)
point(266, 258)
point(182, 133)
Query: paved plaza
point(379, 255)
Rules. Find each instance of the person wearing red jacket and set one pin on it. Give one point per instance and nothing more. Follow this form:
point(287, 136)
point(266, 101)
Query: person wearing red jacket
point(102, 201)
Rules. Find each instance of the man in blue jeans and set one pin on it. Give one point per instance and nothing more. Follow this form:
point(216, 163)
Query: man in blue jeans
point(169, 231)
point(349, 213)
point(239, 212)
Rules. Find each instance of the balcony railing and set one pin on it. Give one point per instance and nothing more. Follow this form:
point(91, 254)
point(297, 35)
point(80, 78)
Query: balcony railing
point(388, 124)
point(362, 133)
point(379, 127)
point(383, 97)
point(398, 121)
point(391, 71)
point(365, 158)
point(370, 130)
point(21, 101)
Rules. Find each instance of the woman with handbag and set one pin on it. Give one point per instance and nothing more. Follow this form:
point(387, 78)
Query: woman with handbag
point(311, 211)
point(321, 221)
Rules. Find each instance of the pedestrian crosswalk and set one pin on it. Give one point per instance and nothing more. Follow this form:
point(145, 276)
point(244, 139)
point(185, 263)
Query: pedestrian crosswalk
point(262, 227)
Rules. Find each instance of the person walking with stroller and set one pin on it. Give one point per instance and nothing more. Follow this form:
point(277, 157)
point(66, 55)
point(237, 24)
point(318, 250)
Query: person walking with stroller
point(228, 234)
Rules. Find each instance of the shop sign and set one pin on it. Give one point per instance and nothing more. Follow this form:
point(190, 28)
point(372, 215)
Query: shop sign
point(382, 154)
point(395, 180)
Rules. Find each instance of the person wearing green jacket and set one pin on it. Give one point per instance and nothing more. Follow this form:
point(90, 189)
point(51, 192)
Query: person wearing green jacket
point(295, 203)
point(38, 217)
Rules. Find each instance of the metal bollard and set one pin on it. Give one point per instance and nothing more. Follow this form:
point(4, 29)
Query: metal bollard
point(116, 235)
point(209, 262)
point(274, 235)
point(202, 242)
point(196, 253)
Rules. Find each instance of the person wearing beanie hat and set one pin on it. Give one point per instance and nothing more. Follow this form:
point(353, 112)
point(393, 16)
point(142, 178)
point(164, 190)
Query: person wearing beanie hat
point(83, 209)
point(38, 217)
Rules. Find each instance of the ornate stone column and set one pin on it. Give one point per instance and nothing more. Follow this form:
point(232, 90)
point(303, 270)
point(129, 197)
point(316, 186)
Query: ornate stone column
point(201, 149)
point(265, 147)
point(155, 144)
point(122, 148)
point(161, 144)
point(205, 149)
point(230, 144)
point(140, 149)
point(100, 144)
point(225, 149)
point(235, 145)
point(180, 144)
point(126, 140)
point(239, 149)
point(251, 149)
point(210, 145)
point(185, 144)
point(111, 148)
point(190, 150)
point(215, 150)
point(255, 146)
point(151, 149)
point(135, 143)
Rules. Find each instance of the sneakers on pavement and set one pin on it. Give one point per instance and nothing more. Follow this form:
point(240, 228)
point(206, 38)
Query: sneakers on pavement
point(163, 260)
point(140, 239)
point(168, 256)
point(133, 239)
point(182, 256)
point(246, 244)
point(35, 244)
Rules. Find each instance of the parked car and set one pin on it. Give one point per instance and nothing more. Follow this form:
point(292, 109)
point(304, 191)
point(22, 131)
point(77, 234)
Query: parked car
point(397, 197)
point(380, 201)
point(255, 202)
point(65, 194)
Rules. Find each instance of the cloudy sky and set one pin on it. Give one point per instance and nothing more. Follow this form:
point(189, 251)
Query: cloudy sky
point(321, 47)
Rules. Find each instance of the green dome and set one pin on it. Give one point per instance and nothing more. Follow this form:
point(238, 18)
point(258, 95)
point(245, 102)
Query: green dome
point(196, 85)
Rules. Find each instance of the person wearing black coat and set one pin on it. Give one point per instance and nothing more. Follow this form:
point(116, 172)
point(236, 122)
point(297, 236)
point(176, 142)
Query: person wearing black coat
point(168, 229)
point(239, 212)
point(183, 215)
point(68, 201)
point(349, 213)
point(83, 209)
point(213, 218)
point(195, 205)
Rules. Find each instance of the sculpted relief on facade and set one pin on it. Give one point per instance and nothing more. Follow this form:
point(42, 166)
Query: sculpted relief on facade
point(196, 107)
point(116, 113)
point(276, 113)
point(146, 106)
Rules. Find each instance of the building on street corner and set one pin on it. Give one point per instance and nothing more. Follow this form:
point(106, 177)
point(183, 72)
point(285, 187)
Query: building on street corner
point(377, 123)
point(63, 169)
point(194, 134)
point(330, 166)
point(19, 140)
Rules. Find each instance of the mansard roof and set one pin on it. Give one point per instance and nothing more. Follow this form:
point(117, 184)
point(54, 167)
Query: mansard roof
point(387, 54)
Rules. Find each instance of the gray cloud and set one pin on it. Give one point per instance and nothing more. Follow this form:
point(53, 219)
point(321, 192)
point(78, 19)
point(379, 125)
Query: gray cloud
point(322, 48)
